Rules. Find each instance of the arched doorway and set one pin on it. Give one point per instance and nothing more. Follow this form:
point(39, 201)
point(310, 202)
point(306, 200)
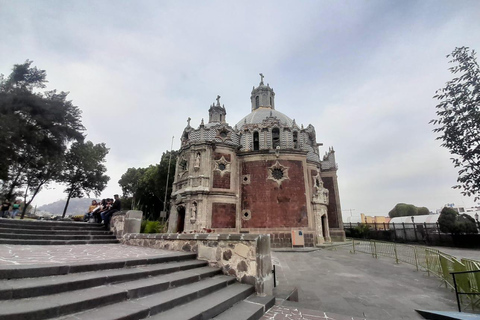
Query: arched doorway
point(324, 227)
point(180, 219)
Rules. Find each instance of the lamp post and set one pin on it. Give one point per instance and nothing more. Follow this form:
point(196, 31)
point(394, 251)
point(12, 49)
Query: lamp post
point(414, 229)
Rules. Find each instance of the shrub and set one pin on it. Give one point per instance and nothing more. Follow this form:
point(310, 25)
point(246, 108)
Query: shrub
point(143, 225)
point(153, 227)
point(451, 222)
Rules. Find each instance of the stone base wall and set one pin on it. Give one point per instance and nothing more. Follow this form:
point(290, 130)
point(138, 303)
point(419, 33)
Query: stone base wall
point(123, 222)
point(284, 240)
point(337, 235)
point(244, 256)
point(117, 223)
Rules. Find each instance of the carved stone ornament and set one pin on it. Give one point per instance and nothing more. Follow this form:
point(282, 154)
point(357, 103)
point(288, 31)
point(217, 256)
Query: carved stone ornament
point(320, 193)
point(193, 212)
point(223, 134)
point(182, 167)
point(278, 173)
point(222, 165)
point(196, 165)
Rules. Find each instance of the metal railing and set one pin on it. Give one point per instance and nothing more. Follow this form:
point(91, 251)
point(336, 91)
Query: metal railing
point(463, 275)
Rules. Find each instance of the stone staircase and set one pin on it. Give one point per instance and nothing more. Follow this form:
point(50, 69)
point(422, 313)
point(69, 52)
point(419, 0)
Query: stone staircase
point(170, 286)
point(34, 232)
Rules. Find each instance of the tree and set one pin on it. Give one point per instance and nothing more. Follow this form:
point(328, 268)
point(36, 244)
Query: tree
point(402, 210)
point(458, 119)
point(147, 185)
point(451, 222)
point(83, 170)
point(36, 129)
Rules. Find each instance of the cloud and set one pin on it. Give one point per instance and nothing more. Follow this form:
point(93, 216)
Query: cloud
point(363, 73)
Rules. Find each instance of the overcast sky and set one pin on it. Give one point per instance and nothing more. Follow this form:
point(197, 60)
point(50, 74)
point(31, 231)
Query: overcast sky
point(362, 72)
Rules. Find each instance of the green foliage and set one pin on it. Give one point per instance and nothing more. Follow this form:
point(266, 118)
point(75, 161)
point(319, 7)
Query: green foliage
point(143, 225)
point(447, 219)
point(403, 209)
point(83, 170)
point(451, 222)
point(458, 119)
point(422, 211)
point(147, 185)
point(152, 227)
point(36, 130)
point(360, 231)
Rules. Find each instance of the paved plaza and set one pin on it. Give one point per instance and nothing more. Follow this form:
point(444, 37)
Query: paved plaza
point(58, 254)
point(335, 284)
point(332, 284)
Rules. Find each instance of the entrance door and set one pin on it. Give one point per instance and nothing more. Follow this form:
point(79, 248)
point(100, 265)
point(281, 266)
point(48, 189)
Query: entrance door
point(180, 219)
point(324, 226)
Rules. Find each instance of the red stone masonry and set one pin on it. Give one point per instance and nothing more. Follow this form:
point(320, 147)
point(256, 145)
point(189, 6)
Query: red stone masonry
point(223, 215)
point(272, 205)
point(332, 207)
point(221, 181)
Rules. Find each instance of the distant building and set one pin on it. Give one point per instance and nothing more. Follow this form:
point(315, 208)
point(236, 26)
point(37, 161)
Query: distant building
point(264, 175)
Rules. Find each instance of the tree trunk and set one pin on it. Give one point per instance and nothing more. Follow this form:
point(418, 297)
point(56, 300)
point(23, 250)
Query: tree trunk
point(66, 204)
point(37, 190)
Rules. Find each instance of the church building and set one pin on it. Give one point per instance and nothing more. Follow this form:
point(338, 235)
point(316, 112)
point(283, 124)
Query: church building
point(263, 175)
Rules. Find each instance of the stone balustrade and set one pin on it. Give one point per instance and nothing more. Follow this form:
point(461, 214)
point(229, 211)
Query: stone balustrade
point(244, 256)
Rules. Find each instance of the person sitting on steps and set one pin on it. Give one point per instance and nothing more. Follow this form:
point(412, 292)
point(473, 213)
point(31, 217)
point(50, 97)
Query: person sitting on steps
point(88, 215)
point(107, 215)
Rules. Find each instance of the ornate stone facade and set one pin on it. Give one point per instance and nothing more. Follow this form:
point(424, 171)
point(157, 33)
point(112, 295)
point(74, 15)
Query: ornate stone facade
point(264, 175)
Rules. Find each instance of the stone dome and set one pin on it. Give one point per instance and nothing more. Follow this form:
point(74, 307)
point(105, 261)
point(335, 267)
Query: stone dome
point(257, 116)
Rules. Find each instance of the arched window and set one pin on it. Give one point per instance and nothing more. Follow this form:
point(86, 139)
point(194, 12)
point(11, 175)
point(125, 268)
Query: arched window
point(256, 141)
point(295, 140)
point(271, 102)
point(257, 102)
point(275, 138)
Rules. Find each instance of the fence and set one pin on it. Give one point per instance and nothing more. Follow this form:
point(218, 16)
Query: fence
point(463, 275)
point(424, 233)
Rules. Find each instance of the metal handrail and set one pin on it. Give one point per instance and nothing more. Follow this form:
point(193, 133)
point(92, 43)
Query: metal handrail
point(457, 293)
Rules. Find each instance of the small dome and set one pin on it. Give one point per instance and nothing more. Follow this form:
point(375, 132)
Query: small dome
point(260, 114)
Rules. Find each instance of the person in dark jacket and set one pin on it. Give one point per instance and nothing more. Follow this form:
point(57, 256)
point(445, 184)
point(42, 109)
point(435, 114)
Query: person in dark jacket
point(107, 215)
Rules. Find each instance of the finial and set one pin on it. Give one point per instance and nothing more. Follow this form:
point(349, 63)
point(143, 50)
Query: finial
point(188, 121)
point(261, 78)
point(302, 126)
point(218, 100)
point(293, 122)
point(201, 123)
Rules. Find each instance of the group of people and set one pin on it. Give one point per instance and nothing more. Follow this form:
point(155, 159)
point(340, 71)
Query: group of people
point(103, 210)
point(6, 213)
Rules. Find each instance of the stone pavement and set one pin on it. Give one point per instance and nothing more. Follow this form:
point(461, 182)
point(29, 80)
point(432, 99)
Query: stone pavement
point(345, 285)
point(48, 254)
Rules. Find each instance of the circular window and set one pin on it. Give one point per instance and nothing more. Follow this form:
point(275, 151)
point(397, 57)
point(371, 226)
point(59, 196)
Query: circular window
point(277, 173)
point(246, 215)
point(223, 134)
point(222, 166)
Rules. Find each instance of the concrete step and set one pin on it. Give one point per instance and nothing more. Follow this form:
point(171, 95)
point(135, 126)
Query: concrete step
point(34, 287)
point(100, 231)
point(48, 225)
point(252, 308)
point(55, 242)
point(33, 271)
point(209, 306)
point(72, 236)
point(56, 305)
point(141, 308)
